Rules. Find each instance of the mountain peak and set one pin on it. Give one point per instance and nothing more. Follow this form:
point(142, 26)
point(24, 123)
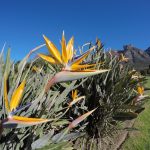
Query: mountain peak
point(127, 47)
point(139, 59)
point(148, 51)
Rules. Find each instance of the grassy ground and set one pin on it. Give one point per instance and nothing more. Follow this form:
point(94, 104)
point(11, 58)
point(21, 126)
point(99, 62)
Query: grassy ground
point(140, 140)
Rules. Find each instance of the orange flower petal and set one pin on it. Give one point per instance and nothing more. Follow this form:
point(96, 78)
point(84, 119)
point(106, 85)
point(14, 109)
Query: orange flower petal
point(18, 122)
point(69, 48)
point(64, 50)
point(16, 97)
point(48, 58)
point(80, 59)
point(53, 50)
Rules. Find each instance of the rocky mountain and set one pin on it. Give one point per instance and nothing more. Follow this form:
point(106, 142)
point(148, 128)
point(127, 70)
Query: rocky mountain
point(138, 58)
point(148, 51)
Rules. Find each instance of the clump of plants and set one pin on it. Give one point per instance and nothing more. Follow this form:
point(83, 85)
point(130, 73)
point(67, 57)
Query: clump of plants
point(115, 95)
point(64, 98)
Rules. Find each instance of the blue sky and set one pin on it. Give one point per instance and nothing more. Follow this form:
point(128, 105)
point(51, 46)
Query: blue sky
point(115, 22)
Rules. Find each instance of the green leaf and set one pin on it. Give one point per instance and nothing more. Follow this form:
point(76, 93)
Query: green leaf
point(7, 64)
point(59, 146)
point(122, 116)
point(42, 141)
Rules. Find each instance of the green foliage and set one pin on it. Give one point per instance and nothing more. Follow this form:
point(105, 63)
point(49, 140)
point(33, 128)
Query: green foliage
point(139, 139)
point(44, 105)
point(112, 93)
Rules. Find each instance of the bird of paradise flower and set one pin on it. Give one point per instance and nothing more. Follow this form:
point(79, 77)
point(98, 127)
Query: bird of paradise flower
point(122, 58)
point(13, 107)
point(72, 69)
point(74, 123)
point(140, 91)
point(74, 99)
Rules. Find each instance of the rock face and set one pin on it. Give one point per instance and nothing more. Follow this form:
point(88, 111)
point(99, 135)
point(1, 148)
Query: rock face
point(138, 58)
point(148, 51)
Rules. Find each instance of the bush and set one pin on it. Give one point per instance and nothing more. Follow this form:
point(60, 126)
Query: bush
point(112, 94)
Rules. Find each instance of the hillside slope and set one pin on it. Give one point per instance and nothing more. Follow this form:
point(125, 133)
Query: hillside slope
point(138, 58)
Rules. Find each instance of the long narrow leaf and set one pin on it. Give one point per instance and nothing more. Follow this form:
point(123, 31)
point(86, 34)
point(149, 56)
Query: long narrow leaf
point(5, 95)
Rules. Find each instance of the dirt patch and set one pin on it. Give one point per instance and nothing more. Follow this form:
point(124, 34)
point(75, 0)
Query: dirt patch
point(120, 138)
point(114, 142)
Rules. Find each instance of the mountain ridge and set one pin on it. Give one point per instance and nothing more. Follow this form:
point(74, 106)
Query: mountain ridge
point(138, 58)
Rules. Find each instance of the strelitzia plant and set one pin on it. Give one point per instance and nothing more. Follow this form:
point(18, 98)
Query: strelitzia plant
point(122, 58)
point(71, 67)
point(13, 107)
point(75, 122)
point(37, 69)
point(75, 98)
point(135, 75)
point(140, 91)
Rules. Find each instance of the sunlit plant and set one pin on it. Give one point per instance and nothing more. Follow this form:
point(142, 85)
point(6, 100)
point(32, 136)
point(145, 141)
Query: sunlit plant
point(93, 111)
point(71, 66)
point(13, 108)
